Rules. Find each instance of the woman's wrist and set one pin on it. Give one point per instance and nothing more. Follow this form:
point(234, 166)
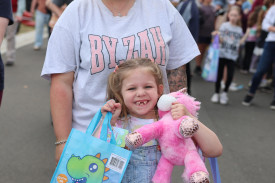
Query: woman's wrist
point(59, 142)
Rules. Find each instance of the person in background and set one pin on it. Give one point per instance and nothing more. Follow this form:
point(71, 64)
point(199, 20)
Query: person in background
point(28, 5)
point(246, 6)
point(251, 37)
point(190, 12)
point(57, 7)
point(91, 37)
point(42, 17)
point(18, 7)
point(231, 36)
point(207, 25)
point(255, 4)
point(267, 59)
point(6, 19)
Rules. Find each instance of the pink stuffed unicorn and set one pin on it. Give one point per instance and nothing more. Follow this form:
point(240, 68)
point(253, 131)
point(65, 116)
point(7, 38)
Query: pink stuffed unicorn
point(177, 147)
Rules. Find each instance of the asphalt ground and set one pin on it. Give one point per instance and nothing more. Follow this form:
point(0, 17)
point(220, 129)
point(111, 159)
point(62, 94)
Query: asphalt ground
point(27, 139)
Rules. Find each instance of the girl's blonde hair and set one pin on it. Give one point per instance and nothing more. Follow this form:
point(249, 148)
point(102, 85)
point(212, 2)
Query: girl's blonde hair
point(121, 72)
point(238, 9)
point(253, 17)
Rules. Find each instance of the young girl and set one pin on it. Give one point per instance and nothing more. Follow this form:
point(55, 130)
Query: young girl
point(230, 39)
point(133, 91)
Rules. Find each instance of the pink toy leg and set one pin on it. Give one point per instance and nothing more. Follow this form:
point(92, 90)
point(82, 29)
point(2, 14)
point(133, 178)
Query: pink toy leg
point(163, 172)
point(193, 163)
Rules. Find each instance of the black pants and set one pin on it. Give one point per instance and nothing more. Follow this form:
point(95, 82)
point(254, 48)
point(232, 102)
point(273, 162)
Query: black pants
point(249, 47)
point(230, 72)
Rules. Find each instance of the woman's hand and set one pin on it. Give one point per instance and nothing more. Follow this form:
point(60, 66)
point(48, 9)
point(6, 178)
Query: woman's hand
point(58, 151)
point(114, 108)
point(178, 110)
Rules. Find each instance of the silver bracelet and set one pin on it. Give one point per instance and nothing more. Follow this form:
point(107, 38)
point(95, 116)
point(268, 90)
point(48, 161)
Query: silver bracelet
point(60, 142)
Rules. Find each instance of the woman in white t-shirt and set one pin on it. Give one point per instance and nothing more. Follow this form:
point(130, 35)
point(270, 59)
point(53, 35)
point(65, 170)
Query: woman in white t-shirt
point(93, 36)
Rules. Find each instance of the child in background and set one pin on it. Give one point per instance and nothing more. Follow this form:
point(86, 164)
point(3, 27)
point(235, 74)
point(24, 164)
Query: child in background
point(207, 25)
point(251, 37)
point(133, 91)
point(230, 34)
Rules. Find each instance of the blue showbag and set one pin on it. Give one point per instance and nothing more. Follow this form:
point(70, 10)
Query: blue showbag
point(210, 69)
point(87, 159)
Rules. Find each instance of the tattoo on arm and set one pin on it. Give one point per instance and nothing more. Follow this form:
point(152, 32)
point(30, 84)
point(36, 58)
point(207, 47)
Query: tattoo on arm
point(177, 78)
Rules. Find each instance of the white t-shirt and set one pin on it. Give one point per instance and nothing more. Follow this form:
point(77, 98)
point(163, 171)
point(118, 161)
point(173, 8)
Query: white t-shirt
point(269, 20)
point(90, 41)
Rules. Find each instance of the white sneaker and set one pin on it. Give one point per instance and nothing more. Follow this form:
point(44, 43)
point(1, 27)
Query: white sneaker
point(263, 83)
point(235, 87)
point(223, 98)
point(222, 85)
point(215, 98)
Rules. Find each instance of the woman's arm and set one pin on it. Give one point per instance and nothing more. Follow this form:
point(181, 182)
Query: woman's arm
point(177, 78)
point(33, 6)
point(61, 95)
point(3, 25)
point(268, 21)
point(271, 29)
point(243, 39)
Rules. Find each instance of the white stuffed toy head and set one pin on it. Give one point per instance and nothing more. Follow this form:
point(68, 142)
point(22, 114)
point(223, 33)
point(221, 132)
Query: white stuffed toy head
point(165, 102)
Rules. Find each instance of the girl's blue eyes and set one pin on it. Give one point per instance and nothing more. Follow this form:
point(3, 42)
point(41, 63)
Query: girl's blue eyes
point(144, 87)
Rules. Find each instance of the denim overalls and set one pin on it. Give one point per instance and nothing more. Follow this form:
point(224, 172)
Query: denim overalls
point(142, 165)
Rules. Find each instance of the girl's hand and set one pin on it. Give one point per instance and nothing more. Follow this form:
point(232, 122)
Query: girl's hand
point(114, 108)
point(214, 33)
point(178, 110)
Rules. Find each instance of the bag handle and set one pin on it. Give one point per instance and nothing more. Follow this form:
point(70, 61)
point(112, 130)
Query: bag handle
point(214, 167)
point(105, 126)
point(216, 42)
point(94, 123)
point(215, 170)
point(104, 130)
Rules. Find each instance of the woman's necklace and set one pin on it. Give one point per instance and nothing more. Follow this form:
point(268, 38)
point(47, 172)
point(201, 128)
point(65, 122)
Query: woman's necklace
point(117, 12)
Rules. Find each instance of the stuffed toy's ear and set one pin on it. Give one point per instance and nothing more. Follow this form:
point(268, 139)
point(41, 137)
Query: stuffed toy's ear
point(165, 102)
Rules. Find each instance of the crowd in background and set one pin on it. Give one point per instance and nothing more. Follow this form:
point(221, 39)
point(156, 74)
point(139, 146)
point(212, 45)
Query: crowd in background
point(203, 17)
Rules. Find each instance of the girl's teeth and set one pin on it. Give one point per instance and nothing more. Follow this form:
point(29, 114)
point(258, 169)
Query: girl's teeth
point(141, 103)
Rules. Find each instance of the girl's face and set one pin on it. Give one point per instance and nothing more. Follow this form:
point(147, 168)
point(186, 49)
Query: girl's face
point(140, 93)
point(233, 16)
